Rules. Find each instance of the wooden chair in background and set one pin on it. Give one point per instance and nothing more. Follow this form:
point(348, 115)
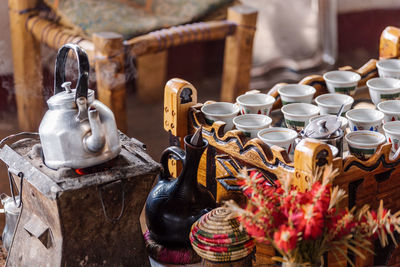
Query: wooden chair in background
point(107, 52)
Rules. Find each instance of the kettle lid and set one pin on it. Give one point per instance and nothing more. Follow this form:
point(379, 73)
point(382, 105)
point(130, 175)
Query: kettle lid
point(66, 98)
point(322, 127)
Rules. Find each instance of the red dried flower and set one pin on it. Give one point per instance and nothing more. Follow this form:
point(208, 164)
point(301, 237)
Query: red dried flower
point(291, 219)
point(254, 230)
point(286, 238)
point(303, 198)
point(309, 221)
point(321, 196)
point(255, 174)
point(341, 224)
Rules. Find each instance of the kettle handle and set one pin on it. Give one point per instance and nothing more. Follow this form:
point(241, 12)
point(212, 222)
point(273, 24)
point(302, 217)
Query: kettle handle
point(171, 151)
point(83, 66)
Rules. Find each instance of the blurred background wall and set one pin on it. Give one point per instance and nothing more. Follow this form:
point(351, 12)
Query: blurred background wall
point(345, 7)
point(5, 43)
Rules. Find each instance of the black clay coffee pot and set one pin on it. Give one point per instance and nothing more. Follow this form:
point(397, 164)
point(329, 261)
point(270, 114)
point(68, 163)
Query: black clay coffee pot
point(173, 205)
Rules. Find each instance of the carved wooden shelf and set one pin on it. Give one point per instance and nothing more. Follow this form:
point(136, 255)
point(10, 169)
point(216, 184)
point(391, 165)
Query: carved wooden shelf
point(366, 182)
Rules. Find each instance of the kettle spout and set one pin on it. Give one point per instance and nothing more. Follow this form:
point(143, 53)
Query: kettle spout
point(95, 140)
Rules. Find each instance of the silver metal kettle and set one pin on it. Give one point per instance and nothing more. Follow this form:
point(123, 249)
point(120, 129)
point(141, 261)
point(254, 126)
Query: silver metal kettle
point(12, 212)
point(77, 131)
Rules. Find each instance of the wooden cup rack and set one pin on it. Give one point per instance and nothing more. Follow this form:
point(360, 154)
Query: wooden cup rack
point(366, 182)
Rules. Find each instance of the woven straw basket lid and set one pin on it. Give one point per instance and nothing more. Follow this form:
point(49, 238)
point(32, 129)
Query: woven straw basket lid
point(219, 239)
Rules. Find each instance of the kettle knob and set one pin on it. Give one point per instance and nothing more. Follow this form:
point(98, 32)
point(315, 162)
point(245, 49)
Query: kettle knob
point(322, 125)
point(67, 87)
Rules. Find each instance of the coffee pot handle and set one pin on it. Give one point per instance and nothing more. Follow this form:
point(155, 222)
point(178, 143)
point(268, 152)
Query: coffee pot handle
point(178, 152)
point(83, 66)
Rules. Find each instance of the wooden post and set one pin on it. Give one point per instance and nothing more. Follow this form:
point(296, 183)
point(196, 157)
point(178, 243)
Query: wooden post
point(309, 155)
point(179, 96)
point(110, 74)
point(27, 66)
point(152, 75)
point(238, 52)
point(389, 45)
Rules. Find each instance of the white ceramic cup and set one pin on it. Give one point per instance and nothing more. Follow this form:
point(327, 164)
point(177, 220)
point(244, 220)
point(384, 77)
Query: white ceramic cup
point(331, 103)
point(255, 103)
point(390, 109)
point(343, 120)
point(389, 68)
point(342, 81)
point(392, 132)
point(382, 89)
point(278, 136)
point(251, 124)
point(220, 111)
point(296, 93)
point(364, 119)
point(363, 144)
point(297, 115)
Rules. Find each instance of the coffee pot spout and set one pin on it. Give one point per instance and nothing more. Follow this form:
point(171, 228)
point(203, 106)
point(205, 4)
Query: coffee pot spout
point(95, 139)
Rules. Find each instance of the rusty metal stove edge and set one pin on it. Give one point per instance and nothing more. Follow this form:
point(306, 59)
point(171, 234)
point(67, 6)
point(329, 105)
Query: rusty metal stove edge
point(48, 188)
point(51, 188)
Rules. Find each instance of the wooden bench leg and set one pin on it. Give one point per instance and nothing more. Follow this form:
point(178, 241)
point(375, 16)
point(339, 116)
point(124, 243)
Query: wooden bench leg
point(152, 76)
point(27, 66)
point(110, 74)
point(238, 53)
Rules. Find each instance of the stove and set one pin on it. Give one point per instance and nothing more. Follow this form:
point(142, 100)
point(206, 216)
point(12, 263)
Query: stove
point(80, 217)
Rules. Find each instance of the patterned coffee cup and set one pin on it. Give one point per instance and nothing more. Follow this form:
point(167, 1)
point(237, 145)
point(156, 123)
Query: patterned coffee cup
point(341, 81)
point(297, 115)
point(363, 144)
point(220, 111)
point(364, 119)
point(392, 132)
point(390, 109)
point(331, 103)
point(251, 124)
point(389, 68)
point(255, 103)
point(296, 93)
point(278, 136)
point(382, 89)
